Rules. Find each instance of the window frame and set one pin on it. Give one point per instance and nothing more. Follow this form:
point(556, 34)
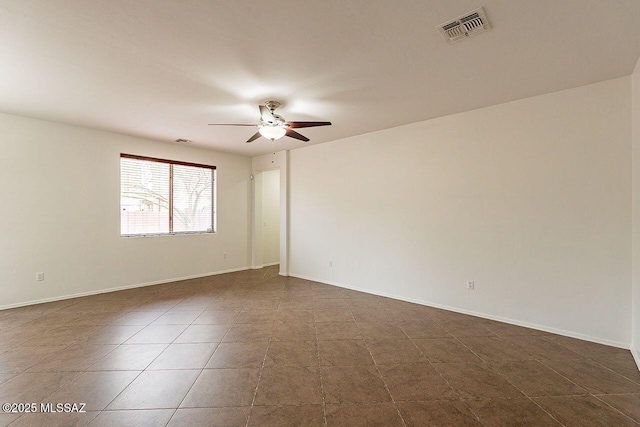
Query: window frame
point(214, 222)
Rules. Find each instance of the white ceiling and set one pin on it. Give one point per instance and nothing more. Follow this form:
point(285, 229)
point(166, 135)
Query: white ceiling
point(163, 69)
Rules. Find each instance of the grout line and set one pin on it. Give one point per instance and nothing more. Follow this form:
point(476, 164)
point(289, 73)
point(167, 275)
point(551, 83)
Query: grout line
point(613, 371)
point(255, 392)
point(506, 379)
point(589, 393)
point(322, 394)
point(440, 373)
point(375, 364)
point(614, 408)
point(203, 368)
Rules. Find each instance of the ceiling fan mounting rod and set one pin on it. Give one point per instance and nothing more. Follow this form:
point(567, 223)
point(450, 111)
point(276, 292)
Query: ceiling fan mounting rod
point(272, 105)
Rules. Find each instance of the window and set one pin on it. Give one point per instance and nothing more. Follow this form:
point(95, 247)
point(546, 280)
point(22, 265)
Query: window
point(166, 197)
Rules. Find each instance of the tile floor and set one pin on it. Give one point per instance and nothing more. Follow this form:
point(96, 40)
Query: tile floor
point(256, 349)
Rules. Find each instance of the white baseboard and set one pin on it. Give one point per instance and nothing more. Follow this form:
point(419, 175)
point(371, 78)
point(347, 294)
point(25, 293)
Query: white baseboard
point(271, 264)
point(571, 334)
point(636, 355)
point(258, 267)
point(120, 288)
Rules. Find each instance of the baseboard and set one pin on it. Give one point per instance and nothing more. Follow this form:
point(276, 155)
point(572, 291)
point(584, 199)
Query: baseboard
point(571, 334)
point(258, 267)
point(120, 288)
point(636, 355)
point(271, 264)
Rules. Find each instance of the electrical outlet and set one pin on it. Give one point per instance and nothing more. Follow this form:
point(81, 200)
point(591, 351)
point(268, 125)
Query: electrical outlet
point(330, 263)
point(39, 277)
point(471, 285)
point(224, 255)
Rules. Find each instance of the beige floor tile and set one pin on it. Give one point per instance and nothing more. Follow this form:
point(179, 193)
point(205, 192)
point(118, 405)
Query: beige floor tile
point(437, 413)
point(370, 315)
point(363, 415)
point(256, 316)
point(287, 416)
point(136, 318)
point(466, 328)
point(328, 331)
point(494, 349)
point(146, 418)
point(95, 389)
point(19, 359)
point(155, 390)
point(417, 382)
point(249, 332)
point(288, 385)
point(239, 355)
point(33, 386)
point(292, 353)
point(624, 366)
point(476, 381)
point(510, 412)
point(287, 331)
point(184, 356)
point(157, 334)
point(353, 384)
point(628, 404)
point(333, 315)
point(344, 353)
point(76, 357)
point(223, 387)
point(202, 334)
point(199, 417)
point(542, 348)
point(583, 411)
point(129, 357)
point(423, 329)
point(590, 349)
point(381, 331)
point(216, 317)
point(393, 351)
point(445, 350)
point(6, 419)
point(592, 376)
point(294, 316)
point(536, 380)
point(112, 334)
point(55, 419)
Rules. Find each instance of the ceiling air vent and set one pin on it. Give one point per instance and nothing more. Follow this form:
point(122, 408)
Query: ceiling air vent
point(469, 24)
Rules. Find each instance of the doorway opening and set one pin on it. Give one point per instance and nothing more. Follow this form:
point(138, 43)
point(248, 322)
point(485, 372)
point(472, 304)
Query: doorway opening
point(267, 219)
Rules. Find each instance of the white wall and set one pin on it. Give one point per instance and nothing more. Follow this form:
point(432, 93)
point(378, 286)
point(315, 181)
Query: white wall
point(635, 121)
point(271, 217)
point(531, 199)
point(60, 192)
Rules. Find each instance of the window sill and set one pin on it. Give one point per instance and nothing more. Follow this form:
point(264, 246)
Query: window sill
point(190, 233)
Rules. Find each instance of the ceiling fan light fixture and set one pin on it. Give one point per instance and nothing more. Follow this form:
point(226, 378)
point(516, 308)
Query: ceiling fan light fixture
point(272, 132)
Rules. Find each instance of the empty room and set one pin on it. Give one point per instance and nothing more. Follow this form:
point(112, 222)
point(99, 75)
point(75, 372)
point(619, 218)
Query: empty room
point(337, 213)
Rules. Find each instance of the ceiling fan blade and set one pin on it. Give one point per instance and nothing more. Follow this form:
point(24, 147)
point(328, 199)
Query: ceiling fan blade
point(230, 124)
point(266, 114)
point(294, 125)
point(293, 134)
point(254, 137)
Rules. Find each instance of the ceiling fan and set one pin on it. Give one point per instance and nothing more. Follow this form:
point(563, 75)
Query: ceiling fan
point(272, 126)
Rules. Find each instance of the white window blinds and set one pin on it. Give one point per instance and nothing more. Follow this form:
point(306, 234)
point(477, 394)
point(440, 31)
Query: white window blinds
point(165, 197)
